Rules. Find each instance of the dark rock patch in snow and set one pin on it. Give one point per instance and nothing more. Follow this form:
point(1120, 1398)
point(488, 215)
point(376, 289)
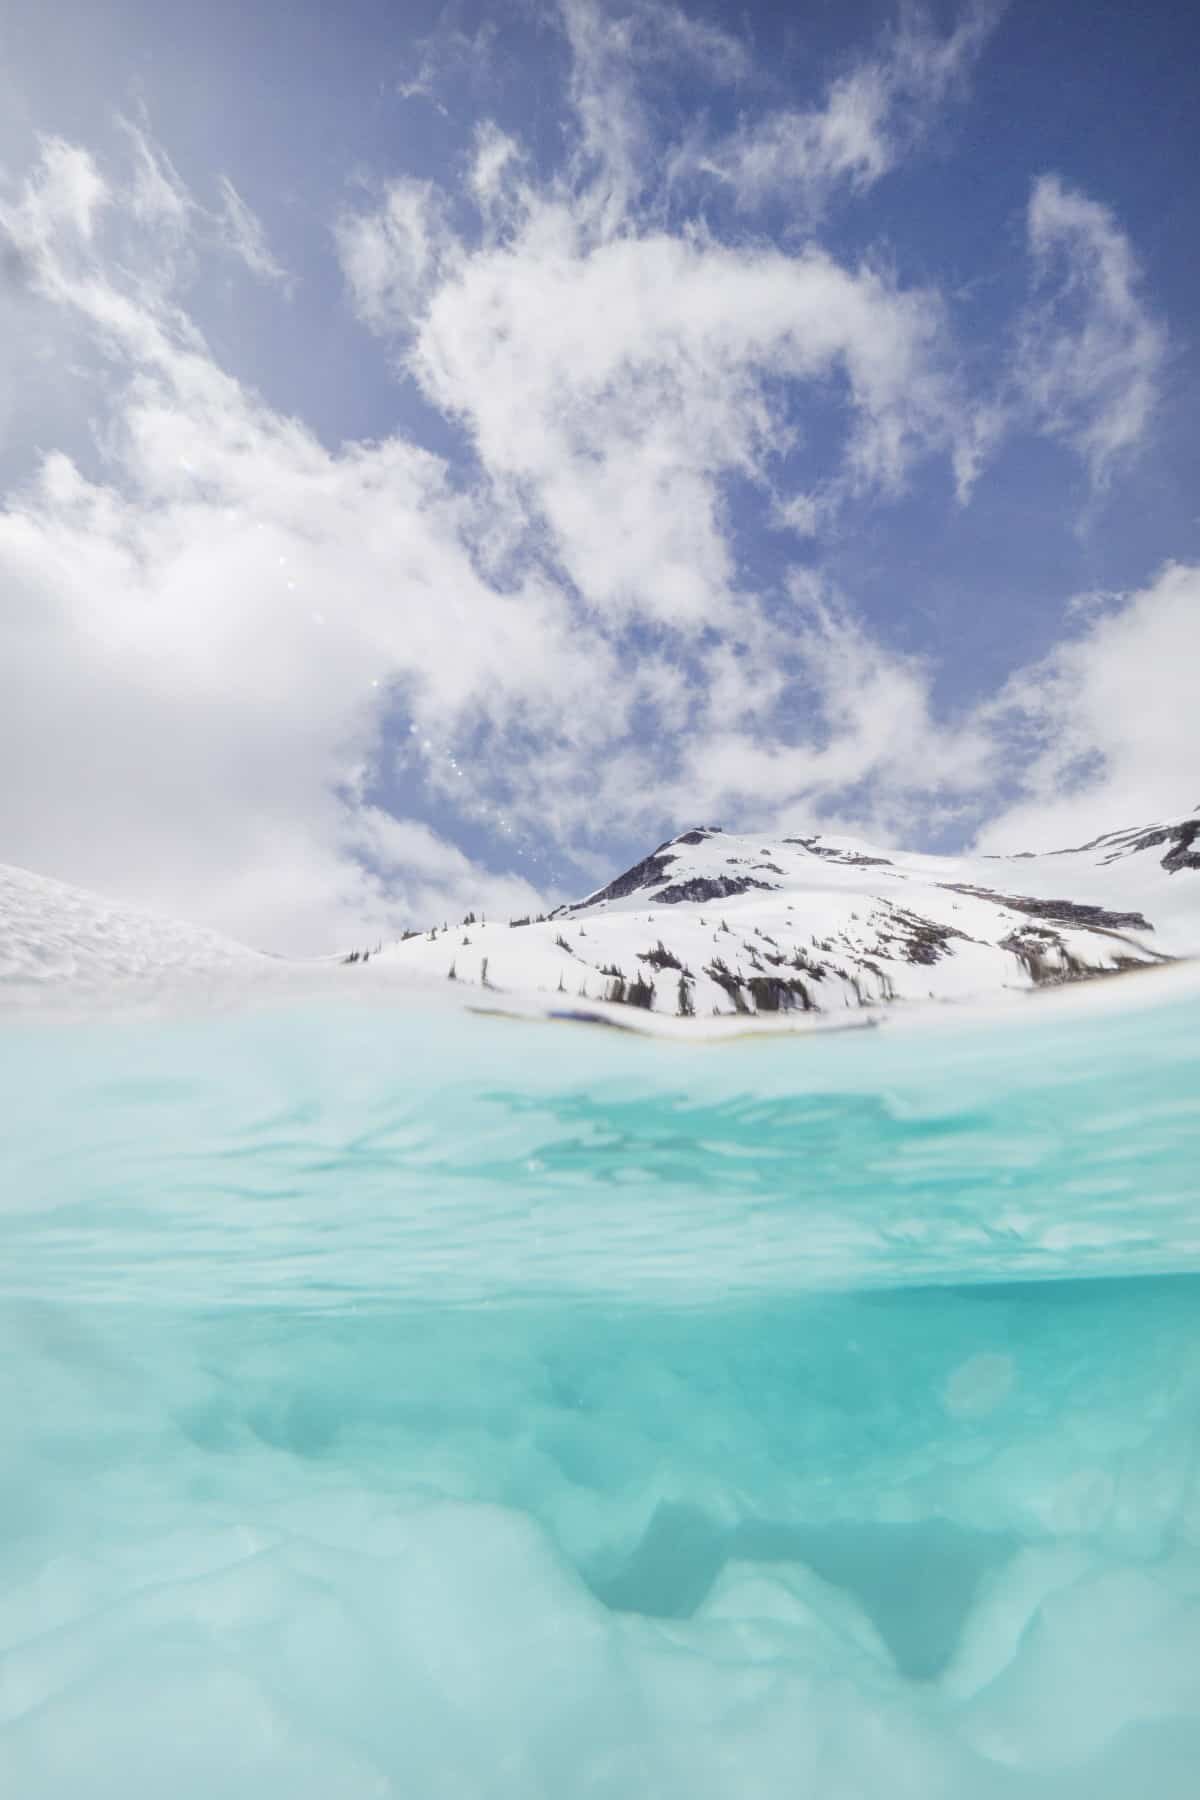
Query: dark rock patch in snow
point(710, 887)
point(920, 940)
point(854, 857)
point(646, 874)
point(1057, 912)
point(1183, 854)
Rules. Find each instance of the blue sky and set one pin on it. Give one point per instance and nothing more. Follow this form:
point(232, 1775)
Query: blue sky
point(446, 450)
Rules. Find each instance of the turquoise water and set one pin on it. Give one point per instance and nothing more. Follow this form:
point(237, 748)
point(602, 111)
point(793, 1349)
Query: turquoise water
point(416, 1404)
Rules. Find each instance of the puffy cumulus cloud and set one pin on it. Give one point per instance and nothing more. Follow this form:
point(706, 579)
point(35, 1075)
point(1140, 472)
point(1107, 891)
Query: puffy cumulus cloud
point(1107, 726)
point(614, 377)
point(614, 374)
point(617, 385)
point(197, 666)
point(867, 120)
point(1091, 353)
point(199, 651)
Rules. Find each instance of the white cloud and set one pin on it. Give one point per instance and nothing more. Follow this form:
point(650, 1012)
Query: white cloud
point(497, 181)
point(56, 209)
point(391, 255)
point(799, 513)
point(613, 48)
point(807, 154)
point(438, 882)
point(1091, 353)
point(445, 57)
point(197, 653)
point(197, 662)
point(617, 384)
point(861, 718)
point(867, 120)
point(157, 195)
point(243, 234)
point(1109, 721)
point(614, 375)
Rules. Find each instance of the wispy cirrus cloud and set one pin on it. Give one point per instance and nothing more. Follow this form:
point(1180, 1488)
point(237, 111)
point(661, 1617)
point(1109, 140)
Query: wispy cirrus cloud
point(869, 118)
point(242, 232)
point(613, 52)
point(1091, 353)
point(445, 57)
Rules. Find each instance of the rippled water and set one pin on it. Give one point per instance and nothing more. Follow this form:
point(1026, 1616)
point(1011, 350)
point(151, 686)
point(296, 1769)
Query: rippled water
point(399, 1402)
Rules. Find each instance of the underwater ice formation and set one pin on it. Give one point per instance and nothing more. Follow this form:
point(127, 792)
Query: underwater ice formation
point(812, 1417)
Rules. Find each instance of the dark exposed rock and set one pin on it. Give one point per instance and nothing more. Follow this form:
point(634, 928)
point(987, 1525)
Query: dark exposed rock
point(646, 874)
point(1183, 854)
point(710, 887)
point(1127, 843)
point(1058, 912)
point(854, 857)
point(922, 940)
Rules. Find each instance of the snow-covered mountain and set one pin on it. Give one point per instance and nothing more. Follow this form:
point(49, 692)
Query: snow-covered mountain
point(713, 922)
point(708, 923)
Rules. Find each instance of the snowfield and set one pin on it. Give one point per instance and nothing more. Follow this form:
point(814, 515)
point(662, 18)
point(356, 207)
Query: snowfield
point(810, 931)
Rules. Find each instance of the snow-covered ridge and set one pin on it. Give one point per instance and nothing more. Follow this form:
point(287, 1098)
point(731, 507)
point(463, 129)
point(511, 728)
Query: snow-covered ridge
point(709, 923)
point(715, 922)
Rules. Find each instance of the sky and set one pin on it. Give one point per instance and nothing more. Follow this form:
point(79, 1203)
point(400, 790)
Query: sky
point(447, 450)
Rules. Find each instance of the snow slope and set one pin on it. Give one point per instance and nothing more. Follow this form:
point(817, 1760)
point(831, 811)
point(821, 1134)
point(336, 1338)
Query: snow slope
point(713, 922)
point(54, 936)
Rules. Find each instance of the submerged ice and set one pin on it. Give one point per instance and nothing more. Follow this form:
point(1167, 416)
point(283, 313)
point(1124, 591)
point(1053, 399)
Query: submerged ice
point(767, 1420)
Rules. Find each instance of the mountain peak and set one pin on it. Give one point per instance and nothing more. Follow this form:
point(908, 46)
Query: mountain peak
point(716, 921)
